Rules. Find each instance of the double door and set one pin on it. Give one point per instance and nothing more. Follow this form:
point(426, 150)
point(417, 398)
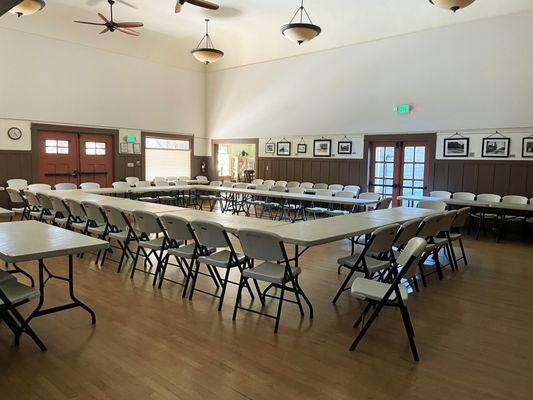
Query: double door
point(75, 158)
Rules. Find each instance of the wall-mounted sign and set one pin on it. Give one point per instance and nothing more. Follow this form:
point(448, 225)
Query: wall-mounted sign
point(404, 109)
point(131, 139)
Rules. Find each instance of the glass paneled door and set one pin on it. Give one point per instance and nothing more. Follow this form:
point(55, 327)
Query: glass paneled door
point(399, 168)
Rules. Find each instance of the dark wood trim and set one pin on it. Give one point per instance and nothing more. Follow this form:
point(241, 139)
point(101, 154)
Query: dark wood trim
point(159, 135)
point(214, 153)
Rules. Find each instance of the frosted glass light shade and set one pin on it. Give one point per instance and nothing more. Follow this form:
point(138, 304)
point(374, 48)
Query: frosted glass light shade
point(300, 33)
point(207, 56)
point(28, 7)
point(452, 5)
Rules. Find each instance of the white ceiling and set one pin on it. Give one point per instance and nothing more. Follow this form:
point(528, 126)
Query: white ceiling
point(246, 30)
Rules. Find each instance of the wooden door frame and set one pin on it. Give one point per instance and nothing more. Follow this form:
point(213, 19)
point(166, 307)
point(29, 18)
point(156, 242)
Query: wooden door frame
point(430, 137)
point(170, 136)
point(35, 128)
point(214, 147)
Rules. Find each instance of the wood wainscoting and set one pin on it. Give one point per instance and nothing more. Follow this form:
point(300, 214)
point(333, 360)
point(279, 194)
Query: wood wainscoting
point(14, 164)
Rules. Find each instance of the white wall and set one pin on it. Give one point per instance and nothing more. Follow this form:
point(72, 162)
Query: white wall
point(476, 75)
point(47, 80)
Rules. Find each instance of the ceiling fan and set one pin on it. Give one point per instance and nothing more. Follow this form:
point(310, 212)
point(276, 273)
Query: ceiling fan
point(112, 26)
point(199, 3)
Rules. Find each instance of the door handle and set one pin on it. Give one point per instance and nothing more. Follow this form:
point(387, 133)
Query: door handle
point(74, 174)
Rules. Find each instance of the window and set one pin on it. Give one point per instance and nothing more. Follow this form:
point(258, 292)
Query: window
point(223, 161)
point(56, 146)
point(167, 157)
point(167, 144)
point(95, 148)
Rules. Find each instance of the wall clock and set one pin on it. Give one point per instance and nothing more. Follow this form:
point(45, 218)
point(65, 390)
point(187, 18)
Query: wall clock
point(14, 133)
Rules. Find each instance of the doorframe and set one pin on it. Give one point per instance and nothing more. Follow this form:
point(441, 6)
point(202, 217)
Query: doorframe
point(35, 128)
point(214, 147)
point(159, 135)
point(430, 137)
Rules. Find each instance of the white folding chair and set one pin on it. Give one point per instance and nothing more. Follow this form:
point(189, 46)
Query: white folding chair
point(342, 209)
point(120, 229)
point(293, 184)
point(436, 205)
point(336, 187)
point(89, 185)
point(39, 187)
point(65, 186)
point(353, 188)
point(131, 180)
point(482, 214)
point(21, 206)
point(17, 184)
point(319, 209)
point(320, 186)
point(441, 194)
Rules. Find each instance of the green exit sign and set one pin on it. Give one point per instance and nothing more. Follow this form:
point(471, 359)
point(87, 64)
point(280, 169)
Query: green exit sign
point(404, 109)
point(131, 139)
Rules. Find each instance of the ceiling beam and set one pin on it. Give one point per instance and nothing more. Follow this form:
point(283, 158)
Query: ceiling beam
point(7, 5)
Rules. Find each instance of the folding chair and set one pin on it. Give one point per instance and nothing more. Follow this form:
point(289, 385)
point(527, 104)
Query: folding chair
point(148, 225)
point(96, 224)
point(120, 229)
point(15, 198)
point(455, 235)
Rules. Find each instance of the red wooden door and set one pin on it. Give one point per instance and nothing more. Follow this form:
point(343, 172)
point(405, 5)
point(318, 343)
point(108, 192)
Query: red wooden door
point(384, 168)
point(58, 157)
point(96, 159)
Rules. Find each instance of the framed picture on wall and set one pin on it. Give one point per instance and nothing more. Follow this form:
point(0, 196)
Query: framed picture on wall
point(284, 149)
point(302, 148)
point(322, 148)
point(344, 147)
point(456, 147)
point(496, 147)
point(136, 148)
point(527, 147)
point(270, 148)
point(124, 148)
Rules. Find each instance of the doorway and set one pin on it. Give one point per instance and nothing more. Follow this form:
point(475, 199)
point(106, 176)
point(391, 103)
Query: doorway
point(233, 158)
point(67, 157)
point(399, 168)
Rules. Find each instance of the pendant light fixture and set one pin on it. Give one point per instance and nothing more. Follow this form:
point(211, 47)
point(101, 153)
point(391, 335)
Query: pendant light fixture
point(205, 52)
point(301, 31)
point(28, 7)
point(452, 5)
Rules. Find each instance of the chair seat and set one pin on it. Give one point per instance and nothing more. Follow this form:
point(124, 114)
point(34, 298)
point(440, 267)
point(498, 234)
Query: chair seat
point(270, 272)
point(291, 206)
point(369, 289)
point(167, 198)
point(455, 236)
point(271, 204)
point(220, 259)
point(337, 212)
point(98, 230)
point(79, 225)
point(154, 244)
point(18, 210)
point(373, 264)
point(148, 199)
point(17, 292)
point(6, 277)
point(35, 214)
point(122, 235)
point(61, 221)
point(186, 251)
point(256, 202)
point(316, 210)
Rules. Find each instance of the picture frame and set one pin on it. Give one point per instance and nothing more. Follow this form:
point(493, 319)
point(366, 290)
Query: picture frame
point(527, 147)
point(456, 147)
point(124, 149)
point(322, 148)
point(136, 148)
point(344, 147)
point(284, 149)
point(270, 148)
point(497, 147)
point(301, 148)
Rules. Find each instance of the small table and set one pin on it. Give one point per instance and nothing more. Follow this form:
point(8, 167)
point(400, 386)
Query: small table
point(35, 241)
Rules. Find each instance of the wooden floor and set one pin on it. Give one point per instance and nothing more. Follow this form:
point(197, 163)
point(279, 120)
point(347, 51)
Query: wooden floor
point(474, 332)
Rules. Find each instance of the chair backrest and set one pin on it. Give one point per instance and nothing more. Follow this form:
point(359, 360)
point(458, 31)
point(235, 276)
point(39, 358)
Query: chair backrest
point(297, 190)
point(94, 212)
point(447, 222)
point(183, 178)
point(278, 189)
point(89, 185)
point(436, 205)
point(263, 187)
point(320, 186)
point(382, 239)
point(280, 183)
point(17, 184)
point(201, 178)
point(346, 194)
point(45, 201)
point(241, 186)
point(142, 184)
point(115, 217)
point(122, 185)
point(409, 257)
point(430, 226)
point(336, 186)
point(162, 183)
point(59, 206)
point(76, 209)
point(147, 222)
point(441, 194)
point(159, 179)
point(512, 199)
point(215, 183)
point(407, 232)
point(323, 192)
point(462, 216)
point(132, 180)
point(369, 196)
point(172, 178)
point(15, 196)
point(257, 182)
point(293, 184)
point(181, 183)
point(227, 184)
point(269, 182)
point(65, 186)
point(177, 228)
point(353, 188)
point(464, 196)
point(384, 203)
point(32, 199)
point(489, 198)
point(210, 234)
point(306, 185)
point(39, 186)
point(260, 245)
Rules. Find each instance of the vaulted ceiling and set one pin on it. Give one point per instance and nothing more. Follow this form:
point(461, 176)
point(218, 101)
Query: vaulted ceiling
point(246, 30)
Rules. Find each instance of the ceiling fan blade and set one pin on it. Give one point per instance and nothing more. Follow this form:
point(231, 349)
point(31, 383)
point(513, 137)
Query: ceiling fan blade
point(204, 4)
point(89, 23)
point(130, 24)
point(178, 7)
point(105, 30)
point(8, 5)
point(129, 31)
point(103, 17)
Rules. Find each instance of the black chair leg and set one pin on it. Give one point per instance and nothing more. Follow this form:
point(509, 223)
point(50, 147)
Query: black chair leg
point(278, 315)
point(410, 331)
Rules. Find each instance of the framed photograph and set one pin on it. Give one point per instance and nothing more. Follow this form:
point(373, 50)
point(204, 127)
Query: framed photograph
point(270, 148)
point(124, 148)
point(527, 147)
point(344, 147)
point(496, 147)
point(284, 149)
point(302, 148)
point(136, 148)
point(456, 147)
point(322, 148)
